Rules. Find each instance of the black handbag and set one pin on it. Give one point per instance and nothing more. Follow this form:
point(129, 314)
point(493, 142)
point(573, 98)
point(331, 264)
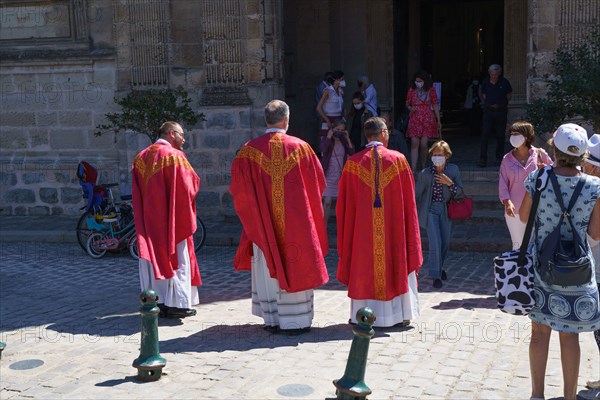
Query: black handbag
point(565, 262)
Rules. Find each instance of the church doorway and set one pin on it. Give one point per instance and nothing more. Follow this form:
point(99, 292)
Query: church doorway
point(454, 40)
point(389, 40)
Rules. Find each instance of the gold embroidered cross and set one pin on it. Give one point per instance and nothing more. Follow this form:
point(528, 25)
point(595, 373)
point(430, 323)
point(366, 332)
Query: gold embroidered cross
point(277, 167)
point(368, 178)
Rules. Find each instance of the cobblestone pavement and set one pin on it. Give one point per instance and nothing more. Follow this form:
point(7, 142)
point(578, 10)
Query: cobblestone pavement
point(80, 318)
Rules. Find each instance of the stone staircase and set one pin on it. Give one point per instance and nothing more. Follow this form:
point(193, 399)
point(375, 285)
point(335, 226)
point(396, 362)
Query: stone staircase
point(486, 230)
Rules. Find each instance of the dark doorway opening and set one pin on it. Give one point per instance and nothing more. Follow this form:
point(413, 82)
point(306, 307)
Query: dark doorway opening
point(457, 41)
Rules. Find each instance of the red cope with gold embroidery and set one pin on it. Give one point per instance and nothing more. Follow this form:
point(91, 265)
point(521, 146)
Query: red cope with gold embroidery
point(164, 208)
point(378, 247)
point(277, 183)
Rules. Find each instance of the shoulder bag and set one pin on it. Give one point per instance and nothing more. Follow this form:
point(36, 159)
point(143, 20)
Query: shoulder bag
point(513, 270)
point(460, 208)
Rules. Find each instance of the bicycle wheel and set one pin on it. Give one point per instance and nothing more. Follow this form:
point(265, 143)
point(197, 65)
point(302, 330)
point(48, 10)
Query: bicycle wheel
point(93, 245)
point(133, 247)
point(83, 231)
point(199, 235)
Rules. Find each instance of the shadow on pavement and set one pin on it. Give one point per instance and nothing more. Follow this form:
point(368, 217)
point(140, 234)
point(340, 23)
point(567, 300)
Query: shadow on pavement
point(219, 338)
point(116, 382)
point(101, 326)
point(468, 303)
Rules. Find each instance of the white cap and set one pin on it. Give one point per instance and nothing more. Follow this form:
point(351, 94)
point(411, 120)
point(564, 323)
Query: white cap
point(571, 139)
point(594, 148)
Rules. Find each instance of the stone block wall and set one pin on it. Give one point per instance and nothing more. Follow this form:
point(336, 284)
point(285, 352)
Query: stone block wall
point(213, 146)
point(553, 24)
point(54, 91)
point(210, 146)
point(48, 118)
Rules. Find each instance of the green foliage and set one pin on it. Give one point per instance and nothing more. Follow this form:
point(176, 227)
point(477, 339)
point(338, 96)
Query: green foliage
point(574, 90)
point(144, 111)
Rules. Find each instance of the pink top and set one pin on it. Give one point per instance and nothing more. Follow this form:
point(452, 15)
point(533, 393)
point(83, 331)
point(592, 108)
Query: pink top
point(512, 175)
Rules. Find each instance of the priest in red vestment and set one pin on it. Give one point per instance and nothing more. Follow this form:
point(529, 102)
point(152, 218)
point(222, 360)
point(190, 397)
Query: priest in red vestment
point(379, 244)
point(164, 208)
point(277, 183)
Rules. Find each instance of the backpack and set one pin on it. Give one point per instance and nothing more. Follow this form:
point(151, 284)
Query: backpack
point(565, 262)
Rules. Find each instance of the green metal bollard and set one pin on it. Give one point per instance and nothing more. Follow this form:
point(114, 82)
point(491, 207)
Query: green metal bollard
point(2, 346)
point(149, 363)
point(352, 385)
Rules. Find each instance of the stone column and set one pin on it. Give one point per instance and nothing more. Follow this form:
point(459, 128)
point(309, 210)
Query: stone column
point(542, 20)
point(515, 46)
point(380, 50)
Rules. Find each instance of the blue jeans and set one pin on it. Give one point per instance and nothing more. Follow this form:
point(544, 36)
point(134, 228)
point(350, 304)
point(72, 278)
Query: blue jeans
point(438, 233)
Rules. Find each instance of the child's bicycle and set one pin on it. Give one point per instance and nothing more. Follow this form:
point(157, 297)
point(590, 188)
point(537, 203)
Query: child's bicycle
point(100, 204)
point(93, 220)
point(112, 236)
point(101, 209)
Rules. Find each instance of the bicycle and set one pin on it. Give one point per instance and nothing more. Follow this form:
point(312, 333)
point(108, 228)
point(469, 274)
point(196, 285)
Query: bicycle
point(112, 237)
point(99, 242)
point(90, 221)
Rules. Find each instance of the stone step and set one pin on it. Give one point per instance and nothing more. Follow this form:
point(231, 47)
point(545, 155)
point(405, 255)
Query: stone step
point(480, 188)
point(489, 202)
point(479, 174)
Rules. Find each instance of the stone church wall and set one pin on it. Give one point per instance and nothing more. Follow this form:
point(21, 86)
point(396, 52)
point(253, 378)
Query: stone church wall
point(63, 62)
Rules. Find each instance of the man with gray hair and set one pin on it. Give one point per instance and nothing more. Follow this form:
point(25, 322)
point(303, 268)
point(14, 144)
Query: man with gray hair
point(378, 236)
point(370, 94)
point(277, 183)
point(495, 92)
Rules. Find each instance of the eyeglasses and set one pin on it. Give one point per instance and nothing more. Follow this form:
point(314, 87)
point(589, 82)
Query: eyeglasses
point(179, 133)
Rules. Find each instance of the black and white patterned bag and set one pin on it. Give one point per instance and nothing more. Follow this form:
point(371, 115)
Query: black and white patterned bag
point(514, 283)
point(513, 270)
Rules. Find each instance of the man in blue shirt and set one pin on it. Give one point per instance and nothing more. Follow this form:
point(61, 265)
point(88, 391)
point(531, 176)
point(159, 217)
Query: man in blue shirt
point(495, 92)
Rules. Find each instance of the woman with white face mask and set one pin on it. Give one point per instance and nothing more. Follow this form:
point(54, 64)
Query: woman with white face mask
point(515, 166)
point(424, 117)
point(357, 115)
point(435, 186)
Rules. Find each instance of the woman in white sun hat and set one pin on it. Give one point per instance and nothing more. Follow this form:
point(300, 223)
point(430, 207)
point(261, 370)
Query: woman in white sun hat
point(567, 305)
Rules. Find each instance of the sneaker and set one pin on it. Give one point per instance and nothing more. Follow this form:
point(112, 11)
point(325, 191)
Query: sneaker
point(174, 312)
point(592, 394)
point(592, 384)
point(444, 276)
point(437, 283)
